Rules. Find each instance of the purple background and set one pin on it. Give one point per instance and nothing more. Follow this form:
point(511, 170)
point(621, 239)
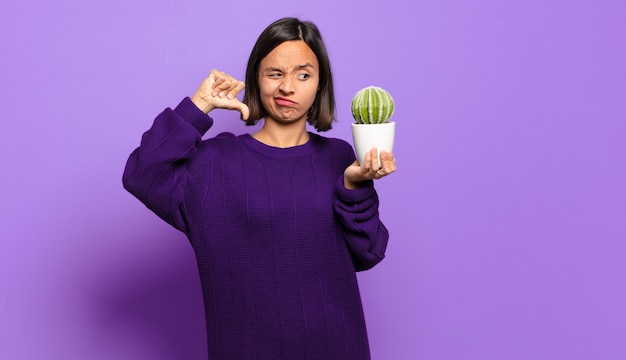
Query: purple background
point(507, 213)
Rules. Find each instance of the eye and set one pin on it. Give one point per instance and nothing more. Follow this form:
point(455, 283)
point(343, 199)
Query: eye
point(303, 76)
point(274, 75)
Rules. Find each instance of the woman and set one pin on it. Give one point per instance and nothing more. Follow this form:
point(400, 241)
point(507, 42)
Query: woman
point(280, 220)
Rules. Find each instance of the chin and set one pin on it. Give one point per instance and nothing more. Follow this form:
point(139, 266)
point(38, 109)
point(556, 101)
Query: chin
point(288, 118)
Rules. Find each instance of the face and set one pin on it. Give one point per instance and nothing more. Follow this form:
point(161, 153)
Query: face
point(288, 82)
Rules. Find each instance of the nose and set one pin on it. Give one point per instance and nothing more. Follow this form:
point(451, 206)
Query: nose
point(286, 86)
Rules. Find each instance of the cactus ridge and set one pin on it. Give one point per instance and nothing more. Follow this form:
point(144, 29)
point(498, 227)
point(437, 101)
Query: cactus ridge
point(372, 105)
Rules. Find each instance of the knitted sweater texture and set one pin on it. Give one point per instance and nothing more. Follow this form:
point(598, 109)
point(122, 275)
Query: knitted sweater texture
point(278, 239)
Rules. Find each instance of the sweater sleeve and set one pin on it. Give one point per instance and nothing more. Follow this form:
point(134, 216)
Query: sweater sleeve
point(364, 233)
point(156, 171)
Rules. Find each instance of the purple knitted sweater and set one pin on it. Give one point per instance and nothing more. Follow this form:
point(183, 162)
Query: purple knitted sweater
point(277, 237)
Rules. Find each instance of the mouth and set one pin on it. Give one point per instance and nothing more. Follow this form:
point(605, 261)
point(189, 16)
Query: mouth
point(280, 101)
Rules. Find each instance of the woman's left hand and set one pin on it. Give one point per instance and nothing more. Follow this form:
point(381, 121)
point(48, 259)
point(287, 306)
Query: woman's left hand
point(369, 170)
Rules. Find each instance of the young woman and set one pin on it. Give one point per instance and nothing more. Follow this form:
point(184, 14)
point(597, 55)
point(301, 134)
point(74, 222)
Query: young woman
point(280, 220)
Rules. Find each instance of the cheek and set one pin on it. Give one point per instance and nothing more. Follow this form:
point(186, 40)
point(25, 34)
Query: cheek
point(266, 96)
point(311, 92)
point(267, 88)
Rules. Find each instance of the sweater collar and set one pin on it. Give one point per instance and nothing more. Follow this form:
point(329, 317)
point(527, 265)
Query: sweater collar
point(300, 150)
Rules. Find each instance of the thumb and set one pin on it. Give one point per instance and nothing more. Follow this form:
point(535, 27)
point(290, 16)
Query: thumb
point(244, 110)
point(232, 104)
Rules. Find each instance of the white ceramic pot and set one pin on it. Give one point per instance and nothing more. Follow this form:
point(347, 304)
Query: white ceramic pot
point(367, 136)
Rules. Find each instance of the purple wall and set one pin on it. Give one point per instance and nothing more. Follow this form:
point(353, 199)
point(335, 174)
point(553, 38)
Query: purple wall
point(507, 214)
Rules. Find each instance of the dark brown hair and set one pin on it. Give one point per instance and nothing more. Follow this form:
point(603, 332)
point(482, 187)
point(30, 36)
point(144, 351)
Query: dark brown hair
point(322, 112)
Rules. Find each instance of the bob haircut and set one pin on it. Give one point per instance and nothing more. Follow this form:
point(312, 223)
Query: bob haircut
point(322, 112)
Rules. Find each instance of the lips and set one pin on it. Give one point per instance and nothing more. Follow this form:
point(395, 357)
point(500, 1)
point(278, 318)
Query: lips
point(283, 102)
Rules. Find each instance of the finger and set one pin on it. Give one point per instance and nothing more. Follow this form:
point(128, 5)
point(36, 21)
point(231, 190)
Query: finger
point(367, 162)
point(220, 89)
point(207, 84)
point(210, 79)
point(374, 159)
point(386, 155)
point(239, 85)
point(229, 88)
point(220, 84)
point(388, 162)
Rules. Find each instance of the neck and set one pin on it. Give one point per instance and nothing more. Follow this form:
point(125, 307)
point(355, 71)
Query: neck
point(282, 136)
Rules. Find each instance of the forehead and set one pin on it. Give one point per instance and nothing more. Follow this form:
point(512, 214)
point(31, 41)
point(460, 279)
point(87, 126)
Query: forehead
point(290, 53)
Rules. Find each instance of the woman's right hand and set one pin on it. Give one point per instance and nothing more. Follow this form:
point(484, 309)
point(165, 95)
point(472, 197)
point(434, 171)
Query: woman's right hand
point(219, 90)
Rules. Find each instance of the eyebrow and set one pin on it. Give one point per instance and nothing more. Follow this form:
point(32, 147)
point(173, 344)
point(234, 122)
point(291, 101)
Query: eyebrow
point(273, 68)
point(305, 65)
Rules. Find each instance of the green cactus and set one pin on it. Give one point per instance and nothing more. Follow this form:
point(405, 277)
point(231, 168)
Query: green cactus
point(372, 105)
